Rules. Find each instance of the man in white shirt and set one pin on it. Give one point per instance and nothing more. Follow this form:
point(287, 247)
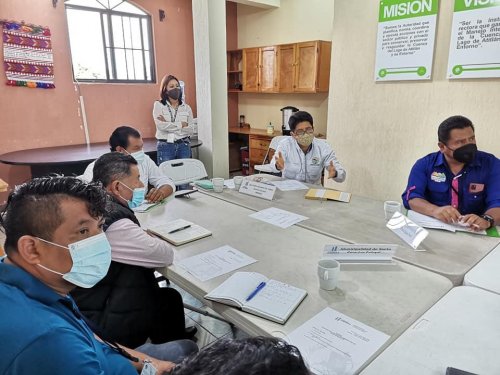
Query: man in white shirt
point(302, 157)
point(128, 140)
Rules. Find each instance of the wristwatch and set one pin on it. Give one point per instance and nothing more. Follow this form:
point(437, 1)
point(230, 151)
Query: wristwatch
point(489, 219)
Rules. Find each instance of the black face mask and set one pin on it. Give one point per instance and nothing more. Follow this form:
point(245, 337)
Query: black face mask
point(465, 154)
point(174, 93)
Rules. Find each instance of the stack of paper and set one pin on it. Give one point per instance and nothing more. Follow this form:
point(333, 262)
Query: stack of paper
point(432, 223)
point(360, 253)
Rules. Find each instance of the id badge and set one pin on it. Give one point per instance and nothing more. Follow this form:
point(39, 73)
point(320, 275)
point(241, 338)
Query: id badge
point(148, 368)
point(170, 138)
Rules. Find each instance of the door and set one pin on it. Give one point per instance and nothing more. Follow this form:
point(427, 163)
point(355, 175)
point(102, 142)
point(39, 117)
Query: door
point(285, 66)
point(268, 80)
point(306, 68)
point(251, 69)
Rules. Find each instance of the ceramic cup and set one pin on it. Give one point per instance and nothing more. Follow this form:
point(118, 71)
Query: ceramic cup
point(390, 207)
point(237, 182)
point(328, 273)
point(218, 184)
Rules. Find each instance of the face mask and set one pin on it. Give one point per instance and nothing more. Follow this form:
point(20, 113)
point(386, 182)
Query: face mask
point(174, 93)
point(305, 139)
point(465, 154)
point(138, 155)
point(138, 195)
point(91, 259)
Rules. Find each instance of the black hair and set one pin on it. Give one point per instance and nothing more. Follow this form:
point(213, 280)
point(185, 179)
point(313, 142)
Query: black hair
point(120, 137)
point(34, 208)
point(299, 117)
point(163, 89)
point(112, 166)
point(251, 356)
point(453, 122)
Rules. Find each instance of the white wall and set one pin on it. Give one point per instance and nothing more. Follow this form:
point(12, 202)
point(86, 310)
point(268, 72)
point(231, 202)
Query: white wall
point(380, 130)
point(294, 21)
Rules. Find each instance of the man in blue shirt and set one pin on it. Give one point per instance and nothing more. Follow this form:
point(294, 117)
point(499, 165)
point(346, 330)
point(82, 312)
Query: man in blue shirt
point(54, 242)
point(458, 183)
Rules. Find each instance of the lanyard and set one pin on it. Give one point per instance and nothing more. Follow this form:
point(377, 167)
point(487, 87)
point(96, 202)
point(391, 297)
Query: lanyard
point(172, 118)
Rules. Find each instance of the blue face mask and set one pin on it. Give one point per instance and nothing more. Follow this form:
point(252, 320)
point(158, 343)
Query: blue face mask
point(91, 259)
point(138, 155)
point(138, 195)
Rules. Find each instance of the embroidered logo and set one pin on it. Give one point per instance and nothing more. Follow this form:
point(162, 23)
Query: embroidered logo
point(438, 177)
point(315, 160)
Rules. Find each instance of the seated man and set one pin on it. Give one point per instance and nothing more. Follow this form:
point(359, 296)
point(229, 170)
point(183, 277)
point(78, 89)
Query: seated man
point(54, 242)
point(456, 183)
point(303, 157)
point(252, 356)
point(128, 141)
point(128, 304)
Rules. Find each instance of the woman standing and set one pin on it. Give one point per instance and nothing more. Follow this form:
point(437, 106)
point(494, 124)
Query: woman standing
point(174, 122)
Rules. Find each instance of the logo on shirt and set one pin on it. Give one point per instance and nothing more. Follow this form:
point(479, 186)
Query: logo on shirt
point(476, 188)
point(315, 160)
point(438, 177)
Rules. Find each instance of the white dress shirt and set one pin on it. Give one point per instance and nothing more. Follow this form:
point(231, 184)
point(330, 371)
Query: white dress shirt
point(307, 167)
point(174, 119)
point(148, 170)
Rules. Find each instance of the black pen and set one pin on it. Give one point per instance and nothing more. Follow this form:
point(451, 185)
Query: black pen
point(179, 229)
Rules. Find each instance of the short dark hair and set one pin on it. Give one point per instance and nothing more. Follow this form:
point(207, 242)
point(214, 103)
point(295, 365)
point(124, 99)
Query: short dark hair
point(120, 136)
point(299, 117)
point(453, 122)
point(163, 88)
point(34, 208)
point(251, 356)
point(112, 166)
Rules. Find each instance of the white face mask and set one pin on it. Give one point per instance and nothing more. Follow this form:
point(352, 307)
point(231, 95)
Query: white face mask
point(138, 155)
point(91, 259)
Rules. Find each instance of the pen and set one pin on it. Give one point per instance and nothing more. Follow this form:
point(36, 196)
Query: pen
point(257, 290)
point(179, 229)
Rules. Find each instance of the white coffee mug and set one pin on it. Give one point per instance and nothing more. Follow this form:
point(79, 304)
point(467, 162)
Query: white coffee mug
point(218, 184)
point(237, 182)
point(390, 207)
point(328, 273)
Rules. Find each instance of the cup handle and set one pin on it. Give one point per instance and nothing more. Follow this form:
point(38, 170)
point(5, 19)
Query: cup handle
point(325, 275)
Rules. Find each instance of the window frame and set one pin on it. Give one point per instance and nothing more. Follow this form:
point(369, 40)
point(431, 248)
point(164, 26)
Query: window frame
point(108, 13)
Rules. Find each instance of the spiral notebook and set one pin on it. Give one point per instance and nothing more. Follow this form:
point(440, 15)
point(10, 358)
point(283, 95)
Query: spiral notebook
point(274, 300)
point(179, 232)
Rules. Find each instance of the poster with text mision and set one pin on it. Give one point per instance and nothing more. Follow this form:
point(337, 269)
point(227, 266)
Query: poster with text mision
point(475, 39)
point(405, 39)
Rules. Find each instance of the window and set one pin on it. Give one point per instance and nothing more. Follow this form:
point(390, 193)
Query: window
point(110, 40)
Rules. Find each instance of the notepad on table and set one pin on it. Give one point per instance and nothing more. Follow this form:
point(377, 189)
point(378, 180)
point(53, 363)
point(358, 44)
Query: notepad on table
point(179, 232)
point(275, 301)
point(328, 194)
point(146, 206)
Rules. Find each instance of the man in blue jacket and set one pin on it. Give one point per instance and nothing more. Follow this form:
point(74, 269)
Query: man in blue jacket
point(458, 183)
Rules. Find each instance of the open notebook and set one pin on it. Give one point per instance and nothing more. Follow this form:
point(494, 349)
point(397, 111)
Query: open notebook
point(179, 232)
point(276, 301)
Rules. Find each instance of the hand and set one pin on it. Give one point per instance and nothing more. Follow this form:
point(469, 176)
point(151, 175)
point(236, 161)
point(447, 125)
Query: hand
point(161, 118)
point(157, 195)
point(475, 222)
point(184, 124)
point(332, 172)
point(280, 162)
point(448, 214)
point(162, 367)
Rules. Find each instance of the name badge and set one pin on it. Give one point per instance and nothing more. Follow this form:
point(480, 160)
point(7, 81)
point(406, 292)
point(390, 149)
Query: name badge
point(148, 368)
point(407, 230)
point(258, 189)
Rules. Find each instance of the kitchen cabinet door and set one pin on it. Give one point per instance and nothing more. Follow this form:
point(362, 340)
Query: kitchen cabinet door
point(251, 69)
point(286, 62)
point(268, 80)
point(306, 66)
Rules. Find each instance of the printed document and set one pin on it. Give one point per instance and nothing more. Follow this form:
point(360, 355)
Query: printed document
point(278, 217)
point(288, 185)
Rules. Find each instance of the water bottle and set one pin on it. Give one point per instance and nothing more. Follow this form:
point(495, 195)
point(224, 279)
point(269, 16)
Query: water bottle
point(270, 128)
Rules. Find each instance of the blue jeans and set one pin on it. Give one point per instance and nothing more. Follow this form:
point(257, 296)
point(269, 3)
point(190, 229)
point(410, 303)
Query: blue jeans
point(173, 351)
point(170, 151)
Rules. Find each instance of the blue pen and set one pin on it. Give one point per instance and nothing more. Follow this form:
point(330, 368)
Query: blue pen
point(257, 290)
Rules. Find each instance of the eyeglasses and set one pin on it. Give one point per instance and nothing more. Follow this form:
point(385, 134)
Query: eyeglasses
point(302, 132)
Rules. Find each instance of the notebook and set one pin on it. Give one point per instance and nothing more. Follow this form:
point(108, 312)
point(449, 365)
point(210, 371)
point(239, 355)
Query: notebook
point(275, 301)
point(179, 232)
point(328, 194)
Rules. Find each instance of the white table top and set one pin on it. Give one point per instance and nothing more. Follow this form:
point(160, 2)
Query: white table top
point(362, 221)
point(386, 297)
point(462, 330)
point(486, 273)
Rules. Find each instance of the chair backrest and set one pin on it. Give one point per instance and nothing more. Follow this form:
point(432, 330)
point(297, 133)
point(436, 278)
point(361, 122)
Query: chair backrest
point(276, 140)
point(183, 171)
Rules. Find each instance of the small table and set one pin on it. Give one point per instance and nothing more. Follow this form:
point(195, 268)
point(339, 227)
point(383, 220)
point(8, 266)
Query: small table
point(71, 159)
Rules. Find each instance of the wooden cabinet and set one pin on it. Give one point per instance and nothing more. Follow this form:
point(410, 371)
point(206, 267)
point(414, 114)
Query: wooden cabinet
point(234, 70)
point(287, 68)
point(258, 146)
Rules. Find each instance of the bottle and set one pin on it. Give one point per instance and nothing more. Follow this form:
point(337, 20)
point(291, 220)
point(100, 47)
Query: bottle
point(270, 128)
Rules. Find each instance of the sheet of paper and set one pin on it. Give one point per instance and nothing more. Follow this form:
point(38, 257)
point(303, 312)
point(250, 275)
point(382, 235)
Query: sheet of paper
point(229, 183)
point(320, 193)
point(407, 230)
point(333, 343)
point(433, 223)
point(278, 217)
point(213, 263)
point(289, 185)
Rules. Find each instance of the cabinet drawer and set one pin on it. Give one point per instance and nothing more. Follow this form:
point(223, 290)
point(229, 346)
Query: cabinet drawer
point(257, 155)
point(261, 144)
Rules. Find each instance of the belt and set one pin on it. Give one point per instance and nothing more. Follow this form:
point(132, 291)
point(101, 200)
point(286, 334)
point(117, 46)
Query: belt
point(185, 139)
